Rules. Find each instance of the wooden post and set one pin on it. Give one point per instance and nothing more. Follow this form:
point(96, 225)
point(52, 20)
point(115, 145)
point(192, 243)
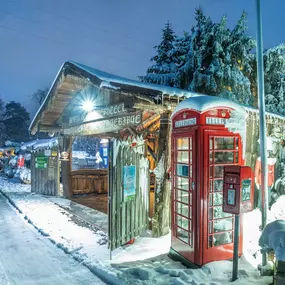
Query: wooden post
point(65, 144)
point(161, 219)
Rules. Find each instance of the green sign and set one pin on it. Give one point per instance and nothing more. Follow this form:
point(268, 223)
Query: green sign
point(245, 192)
point(129, 182)
point(41, 162)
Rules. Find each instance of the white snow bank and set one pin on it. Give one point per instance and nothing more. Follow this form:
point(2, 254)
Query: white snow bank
point(273, 237)
point(143, 263)
point(12, 185)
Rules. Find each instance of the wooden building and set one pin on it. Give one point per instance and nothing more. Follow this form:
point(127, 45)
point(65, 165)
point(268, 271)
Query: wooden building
point(45, 166)
point(135, 118)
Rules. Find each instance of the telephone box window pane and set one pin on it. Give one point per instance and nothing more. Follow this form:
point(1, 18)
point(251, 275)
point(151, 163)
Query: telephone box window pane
point(182, 183)
point(182, 209)
point(190, 194)
point(218, 213)
point(190, 143)
point(219, 171)
point(223, 157)
point(210, 241)
point(182, 170)
point(211, 200)
point(224, 143)
point(183, 156)
point(218, 199)
point(246, 190)
point(211, 171)
point(210, 213)
point(218, 185)
point(182, 196)
point(183, 235)
point(224, 238)
point(210, 227)
point(182, 143)
point(223, 225)
point(182, 222)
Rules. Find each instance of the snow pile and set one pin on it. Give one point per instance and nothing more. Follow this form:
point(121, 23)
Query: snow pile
point(277, 211)
point(273, 237)
point(45, 144)
point(13, 185)
point(143, 263)
point(25, 175)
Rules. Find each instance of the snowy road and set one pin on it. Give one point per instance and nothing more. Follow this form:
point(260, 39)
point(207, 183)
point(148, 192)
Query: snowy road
point(27, 258)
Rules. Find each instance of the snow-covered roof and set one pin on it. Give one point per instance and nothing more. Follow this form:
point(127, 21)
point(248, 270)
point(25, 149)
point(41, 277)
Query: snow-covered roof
point(107, 78)
point(202, 103)
point(45, 144)
point(40, 144)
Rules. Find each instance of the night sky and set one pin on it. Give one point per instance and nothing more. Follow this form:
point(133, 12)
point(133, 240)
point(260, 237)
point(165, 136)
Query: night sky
point(117, 36)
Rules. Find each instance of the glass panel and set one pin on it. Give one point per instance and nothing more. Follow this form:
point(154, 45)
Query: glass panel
point(224, 238)
point(211, 157)
point(246, 190)
point(191, 171)
point(182, 143)
point(211, 143)
point(182, 183)
point(211, 171)
point(182, 196)
point(210, 241)
point(223, 157)
point(211, 200)
point(190, 143)
point(182, 170)
point(219, 171)
point(224, 143)
point(210, 213)
point(182, 222)
point(190, 194)
point(183, 235)
point(218, 213)
point(191, 157)
point(236, 143)
point(182, 209)
point(223, 225)
point(218, 185)
point(183, 156)
point(218, 199)
point(210, 227)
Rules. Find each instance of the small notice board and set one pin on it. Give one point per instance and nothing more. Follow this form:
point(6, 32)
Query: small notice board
point(41, 161)
point(129, 182)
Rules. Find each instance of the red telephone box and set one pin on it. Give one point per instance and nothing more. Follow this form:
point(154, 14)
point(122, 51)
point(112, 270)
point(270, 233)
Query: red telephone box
point(201, 147)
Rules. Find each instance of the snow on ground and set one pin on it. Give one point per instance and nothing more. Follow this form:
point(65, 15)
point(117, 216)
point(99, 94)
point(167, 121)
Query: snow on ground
point(143, 263)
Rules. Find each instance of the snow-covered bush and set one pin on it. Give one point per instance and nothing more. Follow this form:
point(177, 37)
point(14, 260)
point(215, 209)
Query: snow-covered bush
point(273, 238)
point(25, 175)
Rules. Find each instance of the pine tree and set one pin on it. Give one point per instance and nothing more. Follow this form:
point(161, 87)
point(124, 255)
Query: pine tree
point(164, 69)
point(274, 75)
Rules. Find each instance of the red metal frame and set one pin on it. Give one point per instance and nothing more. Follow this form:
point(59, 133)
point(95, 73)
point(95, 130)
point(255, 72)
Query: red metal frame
point(202, 253)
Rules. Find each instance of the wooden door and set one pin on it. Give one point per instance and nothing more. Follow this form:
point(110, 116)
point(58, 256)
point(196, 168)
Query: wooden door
point(128, 194)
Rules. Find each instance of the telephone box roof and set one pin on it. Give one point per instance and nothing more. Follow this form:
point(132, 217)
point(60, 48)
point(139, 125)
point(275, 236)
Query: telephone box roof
point(202, 103)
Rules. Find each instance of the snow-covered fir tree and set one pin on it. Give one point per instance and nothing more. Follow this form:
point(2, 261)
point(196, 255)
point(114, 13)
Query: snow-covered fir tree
point(212, 59)
point(274, 77)
point(163, 71)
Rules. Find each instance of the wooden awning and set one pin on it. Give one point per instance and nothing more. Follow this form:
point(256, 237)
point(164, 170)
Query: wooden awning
point(73, 78)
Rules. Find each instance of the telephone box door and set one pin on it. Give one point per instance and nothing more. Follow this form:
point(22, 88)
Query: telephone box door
point(221, 150)
point(184, 197)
